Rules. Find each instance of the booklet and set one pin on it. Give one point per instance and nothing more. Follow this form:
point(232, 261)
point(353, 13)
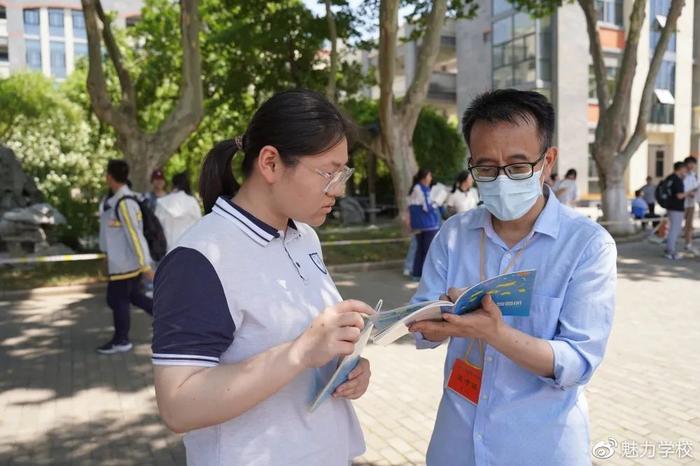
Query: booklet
point(512, 293)
point(346, 365)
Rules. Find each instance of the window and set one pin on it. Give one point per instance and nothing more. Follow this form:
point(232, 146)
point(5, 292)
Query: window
point(31, 22)
point(33, 54)
point(659, 164)
point(610, 78)
point(78, 24)
point(80, 50)
point(666, 78)
point(656, 25)
point(58, 59)
point(501, 6)
point(4, 54)
point(514, 51)
point(56, 28)
point(610, 12)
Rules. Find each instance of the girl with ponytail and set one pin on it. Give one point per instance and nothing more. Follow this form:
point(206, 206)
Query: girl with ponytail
point(248, 323)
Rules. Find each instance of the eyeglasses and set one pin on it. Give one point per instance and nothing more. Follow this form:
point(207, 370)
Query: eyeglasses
point(337, 178)
point(514, 171)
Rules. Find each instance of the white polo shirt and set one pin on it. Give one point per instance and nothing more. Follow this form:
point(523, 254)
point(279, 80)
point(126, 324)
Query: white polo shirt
point(232, 288)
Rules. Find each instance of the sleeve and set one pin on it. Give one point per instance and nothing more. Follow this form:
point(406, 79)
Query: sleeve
point(586, 316)
point(416, 198)
point(192, 323)
point(130, 217)
point(433, 282)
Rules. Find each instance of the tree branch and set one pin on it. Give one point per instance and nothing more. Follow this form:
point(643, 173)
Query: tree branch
point(427, 55)
point(640, 131)
point(333, 36)
point(96, 81)
point(128, 94)
point(189, 108)
point(596, 50)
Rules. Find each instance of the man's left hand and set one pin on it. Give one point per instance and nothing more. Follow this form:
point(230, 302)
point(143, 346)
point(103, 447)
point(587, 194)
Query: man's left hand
point(357, 383)
point(484, 323)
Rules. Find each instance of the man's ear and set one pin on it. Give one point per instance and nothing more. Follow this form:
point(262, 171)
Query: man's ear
point(550, 159)
point(269, 164)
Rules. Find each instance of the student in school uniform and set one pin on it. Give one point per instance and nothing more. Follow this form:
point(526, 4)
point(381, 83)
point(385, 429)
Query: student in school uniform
point(248, 323)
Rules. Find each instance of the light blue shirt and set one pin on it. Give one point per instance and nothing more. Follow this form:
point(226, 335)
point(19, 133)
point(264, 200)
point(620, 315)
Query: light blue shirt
point(522, 418)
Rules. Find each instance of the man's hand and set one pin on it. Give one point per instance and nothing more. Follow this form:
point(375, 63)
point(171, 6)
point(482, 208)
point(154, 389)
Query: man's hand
point(357, 383)
point(484, 323)
point(149, 274)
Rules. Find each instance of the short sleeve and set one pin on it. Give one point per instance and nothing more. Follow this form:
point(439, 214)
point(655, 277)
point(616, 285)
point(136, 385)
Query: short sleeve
point(192, 323)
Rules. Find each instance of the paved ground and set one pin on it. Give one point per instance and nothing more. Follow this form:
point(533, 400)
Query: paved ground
point(60, 403)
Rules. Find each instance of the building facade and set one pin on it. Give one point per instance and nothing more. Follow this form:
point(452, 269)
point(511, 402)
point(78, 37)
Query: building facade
point(49, 35)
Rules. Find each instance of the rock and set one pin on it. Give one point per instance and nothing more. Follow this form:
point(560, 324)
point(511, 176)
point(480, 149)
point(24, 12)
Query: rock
point(16, 188)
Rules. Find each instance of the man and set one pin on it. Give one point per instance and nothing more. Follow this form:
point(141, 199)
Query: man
point(526, 404)
point(121, 238)
point(690, 187)
point(649, 194)
point(675, 207)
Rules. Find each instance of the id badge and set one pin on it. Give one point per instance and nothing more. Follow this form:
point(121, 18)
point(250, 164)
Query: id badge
point(465, 380)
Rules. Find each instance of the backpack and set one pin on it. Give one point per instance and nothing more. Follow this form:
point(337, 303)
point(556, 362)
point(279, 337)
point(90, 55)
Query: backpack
point(663, 191)
point(152, 229)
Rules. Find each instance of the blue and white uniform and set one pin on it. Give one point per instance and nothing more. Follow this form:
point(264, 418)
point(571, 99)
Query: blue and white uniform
point(232, 288)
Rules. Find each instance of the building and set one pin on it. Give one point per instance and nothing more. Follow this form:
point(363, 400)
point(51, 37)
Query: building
point(49, 36)
point(442, 91)
point(551, 56)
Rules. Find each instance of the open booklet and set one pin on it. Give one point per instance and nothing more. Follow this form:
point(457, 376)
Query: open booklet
point(511, 292)
point(346, 365)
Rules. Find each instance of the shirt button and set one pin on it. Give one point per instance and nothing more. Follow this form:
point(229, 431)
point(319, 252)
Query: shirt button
point(489, 359)
point(478, 436)
point(485, 397)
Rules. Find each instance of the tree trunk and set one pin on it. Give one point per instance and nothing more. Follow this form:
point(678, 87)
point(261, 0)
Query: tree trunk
point(402, 164)
point(333, 36)
point(614, 196)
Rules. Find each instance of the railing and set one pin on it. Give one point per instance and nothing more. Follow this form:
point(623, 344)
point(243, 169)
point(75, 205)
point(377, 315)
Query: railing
point(661, 114)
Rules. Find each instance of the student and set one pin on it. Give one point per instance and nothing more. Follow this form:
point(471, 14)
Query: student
point(690, 186)
point(425, 217)
point(566, 189)
point(178, 210)
point(530, 408)
point(128, 257)
point(463, 196)
point(640, 208)
point(649, 192)
point(675, 207)
point(158, 190)
point(248, 322)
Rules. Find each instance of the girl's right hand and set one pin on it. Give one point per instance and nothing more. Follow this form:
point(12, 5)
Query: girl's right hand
point(333, 332)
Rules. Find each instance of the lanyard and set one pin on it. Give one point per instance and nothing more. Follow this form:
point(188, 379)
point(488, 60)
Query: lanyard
point(482, 256)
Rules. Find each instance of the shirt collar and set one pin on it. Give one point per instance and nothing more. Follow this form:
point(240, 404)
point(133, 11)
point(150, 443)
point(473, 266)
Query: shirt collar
point(547, 222)
point(256, 229)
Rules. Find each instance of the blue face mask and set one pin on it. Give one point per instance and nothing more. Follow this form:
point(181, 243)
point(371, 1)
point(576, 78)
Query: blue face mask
point(508, 199)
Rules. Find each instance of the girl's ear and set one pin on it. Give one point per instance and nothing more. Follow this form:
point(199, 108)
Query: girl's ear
point(269, 164)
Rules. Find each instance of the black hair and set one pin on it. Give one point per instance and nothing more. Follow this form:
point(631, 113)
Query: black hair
point(461, 178)
point(511, 106)
point(569, 172)
point(553, 176)
point(296, 122)
point(690, 159)
point(638, 193)
point(420, 174)
point(678, 166)
point(181, 182)
point(118, 170)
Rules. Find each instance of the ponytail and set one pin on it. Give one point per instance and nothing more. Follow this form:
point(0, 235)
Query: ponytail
point(217, 177)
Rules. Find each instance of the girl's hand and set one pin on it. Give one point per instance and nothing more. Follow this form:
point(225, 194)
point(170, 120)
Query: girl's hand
point(357, 383)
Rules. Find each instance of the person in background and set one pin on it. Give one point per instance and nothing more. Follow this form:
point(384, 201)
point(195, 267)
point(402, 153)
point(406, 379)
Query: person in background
point(690, 186)
point(158, 189)
point(566, 190)
point(463, 196)
point(425, 217)
point(649, 194)
point(178, 211)
point(438, 195)
point(128, 257)
point(640, 209)
point(675, 207)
